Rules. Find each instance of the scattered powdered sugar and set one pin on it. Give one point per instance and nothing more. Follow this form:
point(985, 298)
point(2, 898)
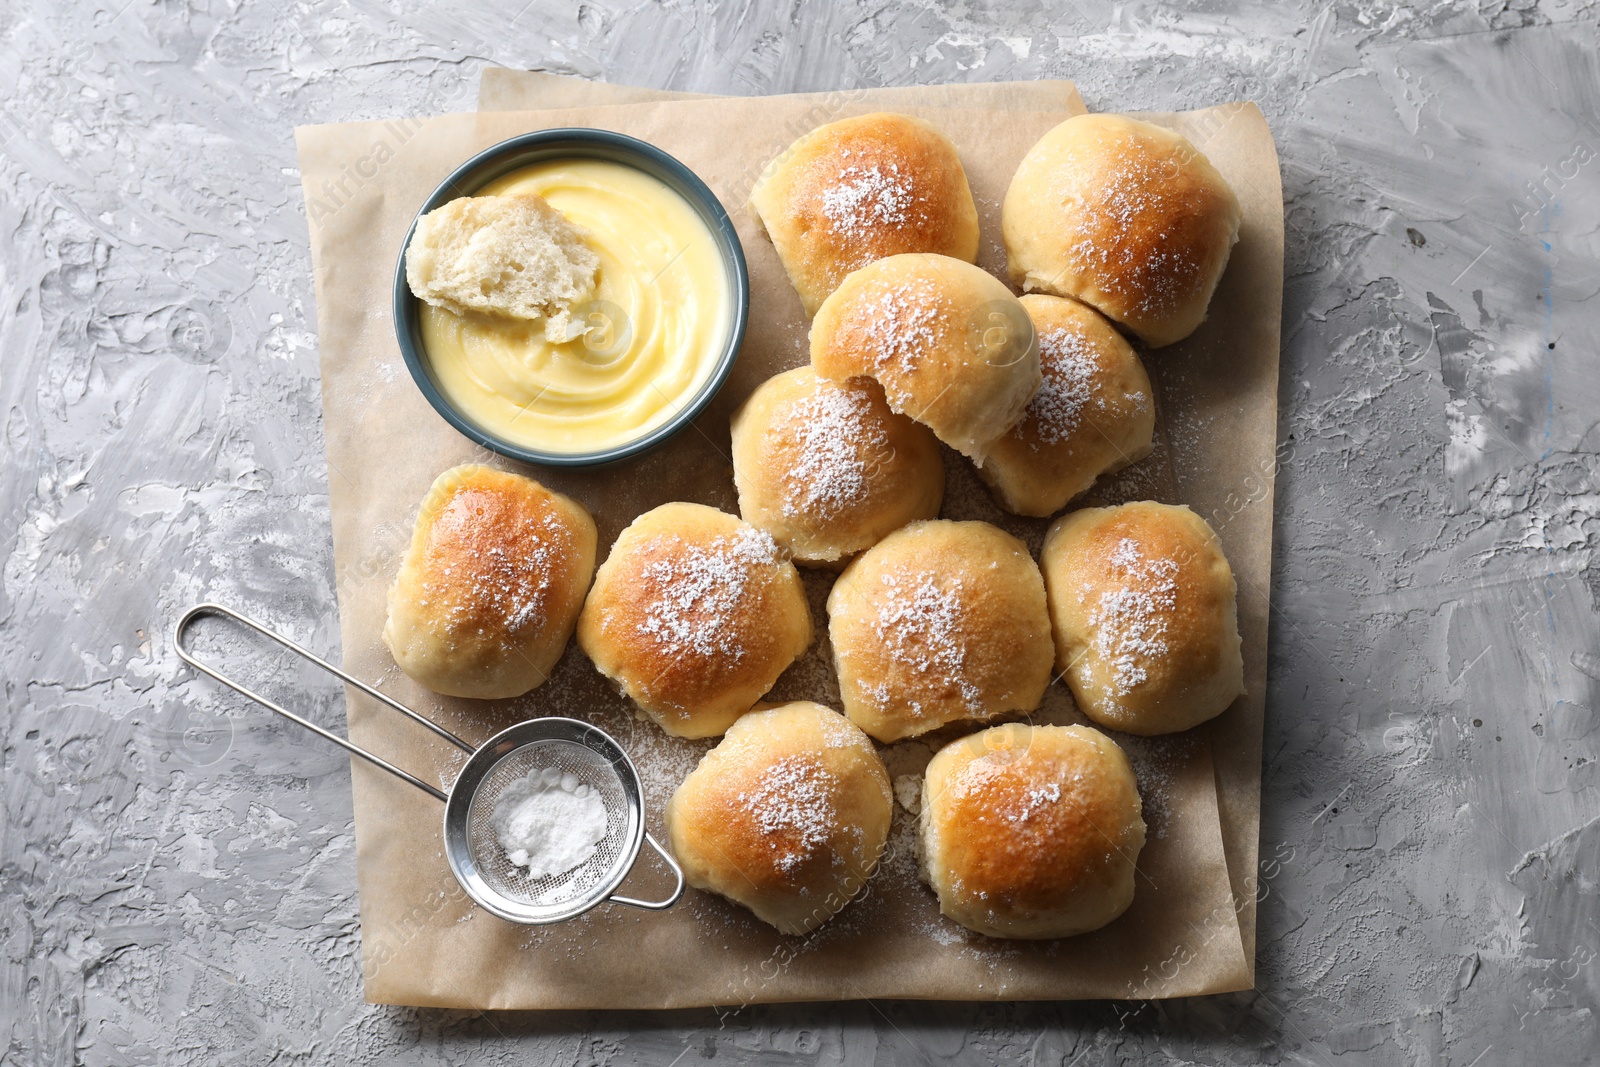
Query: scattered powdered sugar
point(548, 822)
point(865, 196)
point(513, 585)
point(908, 792)
point(922, 626)
point(834, 433)
point(839, 732)
point(700, 589)
point(1131, 622)
point(1127, 244)
point(793, 805)
point(1070, 369)
point(900, 323)
point(944, 932)
point(900, 867)
point(1033, 800)
point(1157, 763)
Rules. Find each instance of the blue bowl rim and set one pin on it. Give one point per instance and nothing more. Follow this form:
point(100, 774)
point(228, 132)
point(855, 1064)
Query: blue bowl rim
point(584, 140)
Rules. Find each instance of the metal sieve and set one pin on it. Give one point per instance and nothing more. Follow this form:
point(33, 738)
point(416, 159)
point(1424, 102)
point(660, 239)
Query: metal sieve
point(470, 845)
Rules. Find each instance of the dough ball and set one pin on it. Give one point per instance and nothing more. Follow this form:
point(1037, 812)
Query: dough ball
point(491, 585)
point(788, 815)
point(1126, 216)
point(694, 615)
point(1093, 415)
point(940, 621)
point(1145, 614)
point(860, 189)
point(950, 345)
point(1031, 831)
point(828, 469)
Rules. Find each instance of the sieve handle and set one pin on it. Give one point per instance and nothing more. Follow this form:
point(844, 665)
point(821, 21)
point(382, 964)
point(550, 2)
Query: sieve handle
point(217, 609)
point(656, 905)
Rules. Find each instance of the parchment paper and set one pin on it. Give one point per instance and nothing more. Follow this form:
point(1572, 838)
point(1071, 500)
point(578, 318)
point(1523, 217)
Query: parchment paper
point(423, 942)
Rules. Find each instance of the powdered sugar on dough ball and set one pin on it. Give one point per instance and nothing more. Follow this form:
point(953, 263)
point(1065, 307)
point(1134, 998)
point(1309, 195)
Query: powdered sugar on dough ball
point(1070, 371)
point(860, 189)
point(827, 468)
point(694, 615)
point(875, 195)
point(1143, 606)
point(951, 346)
point(1091, 416)
point(702, 589)
point(939, 622)
point(903, 323)
point(792, 807)
point(491, 584)
point(836, 436)
point(1125, 215)
point(787, 816)
point(923, 627)
point(1130, 623)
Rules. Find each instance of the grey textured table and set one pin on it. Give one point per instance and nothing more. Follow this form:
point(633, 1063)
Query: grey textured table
point(176, 873)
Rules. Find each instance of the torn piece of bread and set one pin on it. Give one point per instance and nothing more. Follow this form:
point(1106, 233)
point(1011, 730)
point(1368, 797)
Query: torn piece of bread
point(505, 255)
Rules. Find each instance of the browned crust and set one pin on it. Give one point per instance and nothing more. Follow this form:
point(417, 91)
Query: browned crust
point(1006, 849)
point(1127, 216)
point(1199, 672)
point(736, 645)
point(491, 585)
point(949, 343)
point(898, 461)
point(499, 551)
point(822, 232)
point(723, 830)
point(968, 635)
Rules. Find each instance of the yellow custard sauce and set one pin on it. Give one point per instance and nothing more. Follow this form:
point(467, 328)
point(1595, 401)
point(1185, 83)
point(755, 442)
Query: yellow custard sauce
point(653, 333)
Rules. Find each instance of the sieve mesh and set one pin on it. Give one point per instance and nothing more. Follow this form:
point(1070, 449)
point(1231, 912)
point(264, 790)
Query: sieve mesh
point(501, 876)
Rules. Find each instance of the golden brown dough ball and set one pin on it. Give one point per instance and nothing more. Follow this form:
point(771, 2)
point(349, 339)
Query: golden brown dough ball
point(1126, 216)
point(1093, 415)
point(1145, 612)
point(1031, 831)
point(949, 343)
point(860, 189)
point(491, 584)
point(788, 815)
point(938, 622)
point(694, 614)
point(828, 469)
